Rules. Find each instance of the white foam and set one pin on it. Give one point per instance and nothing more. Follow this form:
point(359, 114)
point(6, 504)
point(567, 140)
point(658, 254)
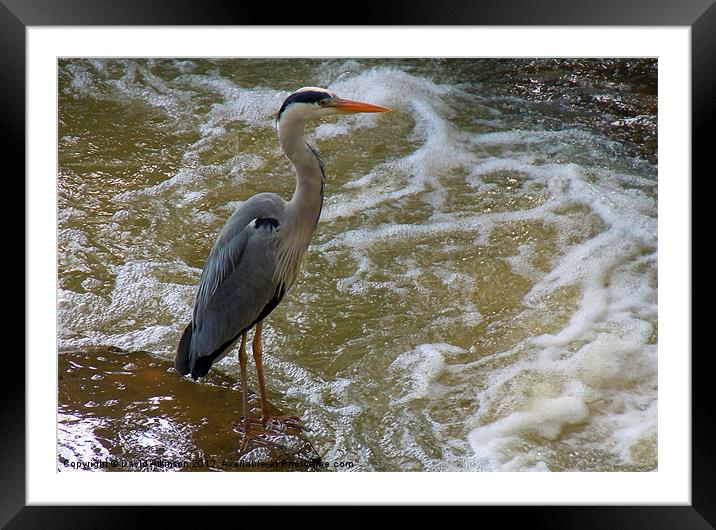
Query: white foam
point(609, 380)
point(423, 364)
point(144, 311)
point(439, 149)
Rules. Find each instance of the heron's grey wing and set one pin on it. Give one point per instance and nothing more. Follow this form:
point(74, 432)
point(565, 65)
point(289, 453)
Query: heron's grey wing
point(238, 279)
point(246, 288)
point(230, 244)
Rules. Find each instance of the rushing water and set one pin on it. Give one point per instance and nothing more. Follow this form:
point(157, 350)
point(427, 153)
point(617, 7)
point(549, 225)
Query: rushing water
point(481, 290)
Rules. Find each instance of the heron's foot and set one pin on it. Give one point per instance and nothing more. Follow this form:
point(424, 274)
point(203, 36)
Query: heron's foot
point(253, 436)
point(282, 423)
point(273, 423)
point(253, 421)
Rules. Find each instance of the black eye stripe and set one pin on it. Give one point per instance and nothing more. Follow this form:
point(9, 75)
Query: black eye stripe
point(307, 96)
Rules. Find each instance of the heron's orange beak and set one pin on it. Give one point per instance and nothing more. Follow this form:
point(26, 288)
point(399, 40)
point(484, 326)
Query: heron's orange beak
point(346, 105)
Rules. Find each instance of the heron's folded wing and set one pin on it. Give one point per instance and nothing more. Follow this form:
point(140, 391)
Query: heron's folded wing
point(237, 283)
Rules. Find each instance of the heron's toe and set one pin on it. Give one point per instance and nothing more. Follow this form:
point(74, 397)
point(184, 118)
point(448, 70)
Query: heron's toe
point(283, 423)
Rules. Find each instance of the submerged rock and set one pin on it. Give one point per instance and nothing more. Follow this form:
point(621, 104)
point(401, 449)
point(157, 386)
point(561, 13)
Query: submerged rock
point(122, 411)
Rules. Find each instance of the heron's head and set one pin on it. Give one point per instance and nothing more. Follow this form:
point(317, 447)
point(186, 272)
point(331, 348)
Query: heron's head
point(308, 103)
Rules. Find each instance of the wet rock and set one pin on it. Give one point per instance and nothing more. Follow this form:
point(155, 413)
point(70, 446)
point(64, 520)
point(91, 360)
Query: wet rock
point(140, 415)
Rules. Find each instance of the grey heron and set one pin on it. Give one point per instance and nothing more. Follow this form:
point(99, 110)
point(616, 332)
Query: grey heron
point(256, 257)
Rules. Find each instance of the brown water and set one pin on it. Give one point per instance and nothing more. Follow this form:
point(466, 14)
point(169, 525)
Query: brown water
point(140, 417)
point(480, 293)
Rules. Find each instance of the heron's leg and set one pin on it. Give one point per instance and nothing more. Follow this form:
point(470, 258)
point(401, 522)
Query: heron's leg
point(266, 416)
point(258, 351)
point(244, 388)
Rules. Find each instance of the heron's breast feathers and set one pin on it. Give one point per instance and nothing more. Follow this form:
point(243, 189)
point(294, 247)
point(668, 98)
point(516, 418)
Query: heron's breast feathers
point(292, 247)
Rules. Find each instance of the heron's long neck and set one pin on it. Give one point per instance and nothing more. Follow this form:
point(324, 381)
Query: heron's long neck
point(304, 208)
point(305, 205)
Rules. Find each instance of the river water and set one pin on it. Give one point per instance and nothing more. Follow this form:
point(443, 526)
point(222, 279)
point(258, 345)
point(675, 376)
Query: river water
point(480, 293)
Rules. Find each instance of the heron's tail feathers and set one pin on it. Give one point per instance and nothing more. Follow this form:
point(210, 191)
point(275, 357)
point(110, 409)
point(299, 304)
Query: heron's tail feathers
point(197, 365)
point(201, 367)
point(182, 361)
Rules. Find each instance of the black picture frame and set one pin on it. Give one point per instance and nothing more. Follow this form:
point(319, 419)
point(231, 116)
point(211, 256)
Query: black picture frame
point(699, 15)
